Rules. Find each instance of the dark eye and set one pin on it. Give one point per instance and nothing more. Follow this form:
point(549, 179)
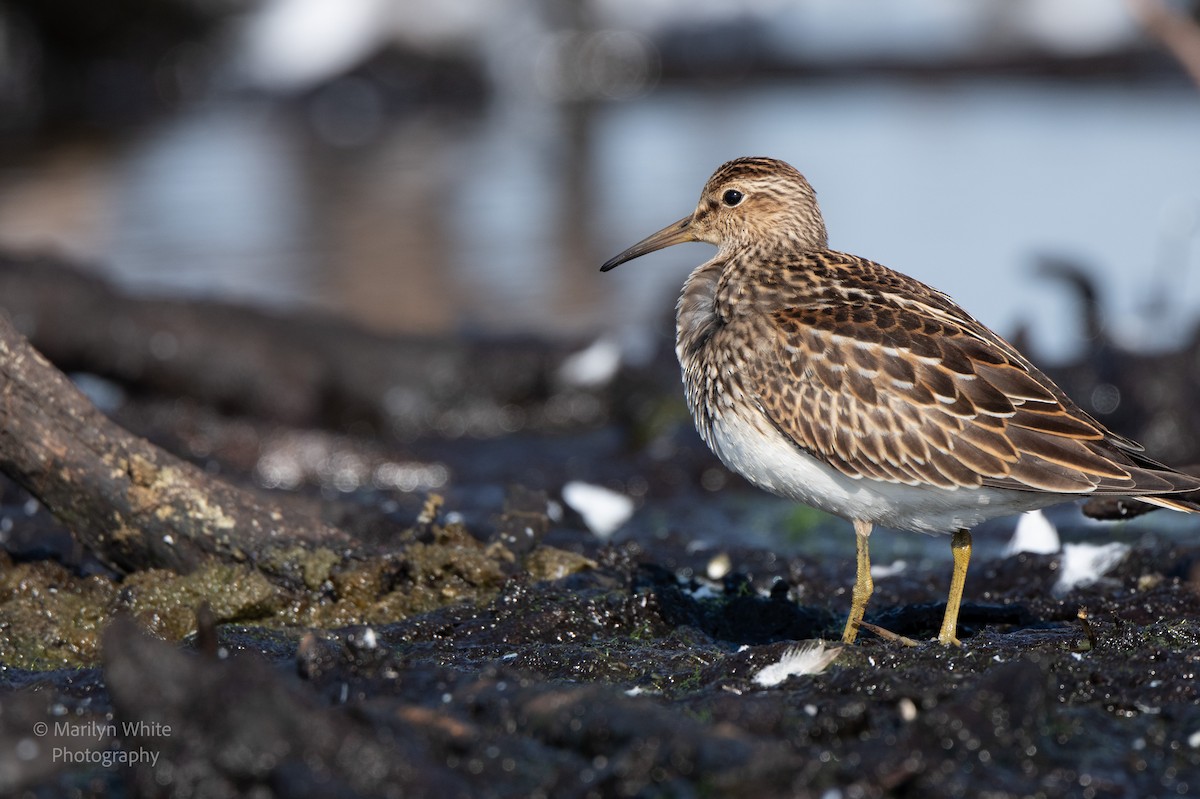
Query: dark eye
point(732, 197)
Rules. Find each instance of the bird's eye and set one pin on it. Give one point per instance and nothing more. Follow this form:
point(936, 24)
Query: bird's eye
point(732, 197)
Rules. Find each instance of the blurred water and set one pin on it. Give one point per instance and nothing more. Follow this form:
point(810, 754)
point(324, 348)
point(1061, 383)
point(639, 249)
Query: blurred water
point(499, 221)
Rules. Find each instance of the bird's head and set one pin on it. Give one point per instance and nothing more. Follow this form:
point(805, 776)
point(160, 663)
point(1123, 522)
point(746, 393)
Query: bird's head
point(747, 202)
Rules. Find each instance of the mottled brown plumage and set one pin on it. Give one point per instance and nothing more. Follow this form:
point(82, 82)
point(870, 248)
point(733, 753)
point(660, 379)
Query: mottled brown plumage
point(835, 381)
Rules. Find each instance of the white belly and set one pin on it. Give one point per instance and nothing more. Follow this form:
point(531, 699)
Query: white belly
point(751, 446)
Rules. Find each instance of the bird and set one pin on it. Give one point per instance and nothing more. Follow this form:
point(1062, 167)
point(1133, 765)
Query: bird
point(834, 381)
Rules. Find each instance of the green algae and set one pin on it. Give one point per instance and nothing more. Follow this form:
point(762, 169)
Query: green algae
point(52, 618)
point(165, 603)
point(49, 617)
point(314, 564)
point(551, 563)
point(434, 566)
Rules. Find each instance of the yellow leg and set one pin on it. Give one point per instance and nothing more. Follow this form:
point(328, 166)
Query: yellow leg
point(960, 548)
point(863, 585)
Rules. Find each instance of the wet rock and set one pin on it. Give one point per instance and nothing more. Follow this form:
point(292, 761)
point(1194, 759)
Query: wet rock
point(598, 684)
point(524, 521)
point(224, 728)
point(739, 614)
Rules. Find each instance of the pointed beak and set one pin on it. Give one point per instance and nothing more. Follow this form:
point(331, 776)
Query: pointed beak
point(675, 233)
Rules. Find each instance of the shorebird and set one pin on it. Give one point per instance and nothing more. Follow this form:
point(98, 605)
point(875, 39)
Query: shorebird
point(835, 381)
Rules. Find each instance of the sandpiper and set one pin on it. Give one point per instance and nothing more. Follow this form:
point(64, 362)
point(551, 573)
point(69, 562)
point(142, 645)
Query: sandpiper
point(837, 382)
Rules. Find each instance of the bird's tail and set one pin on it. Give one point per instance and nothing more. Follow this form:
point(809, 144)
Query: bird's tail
point(1172, 503)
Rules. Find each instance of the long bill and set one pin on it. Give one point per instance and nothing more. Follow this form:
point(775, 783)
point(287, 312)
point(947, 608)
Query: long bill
point(675, 233)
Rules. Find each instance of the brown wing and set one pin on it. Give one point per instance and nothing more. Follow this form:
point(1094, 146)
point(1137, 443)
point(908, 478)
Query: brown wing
point(914, 395)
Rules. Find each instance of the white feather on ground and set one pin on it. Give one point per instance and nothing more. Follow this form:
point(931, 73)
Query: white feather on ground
point(602, 509)
point(1084, 564)
point(797, 661)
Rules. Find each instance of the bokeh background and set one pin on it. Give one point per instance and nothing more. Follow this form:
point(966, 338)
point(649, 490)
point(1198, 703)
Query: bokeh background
point(465, 165)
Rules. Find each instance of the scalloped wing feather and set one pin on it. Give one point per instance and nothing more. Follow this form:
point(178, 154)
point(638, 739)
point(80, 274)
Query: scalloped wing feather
point(927, 395)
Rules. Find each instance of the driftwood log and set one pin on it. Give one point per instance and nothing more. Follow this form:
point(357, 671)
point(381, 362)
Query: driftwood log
point(134, 505)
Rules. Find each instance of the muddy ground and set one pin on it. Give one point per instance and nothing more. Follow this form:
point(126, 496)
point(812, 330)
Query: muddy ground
point(502, 648)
